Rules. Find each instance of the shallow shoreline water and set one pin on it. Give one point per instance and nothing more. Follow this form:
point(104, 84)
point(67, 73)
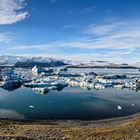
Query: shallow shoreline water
point(92, 123)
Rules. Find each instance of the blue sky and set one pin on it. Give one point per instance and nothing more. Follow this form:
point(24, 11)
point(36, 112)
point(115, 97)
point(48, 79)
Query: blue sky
point(80, 30)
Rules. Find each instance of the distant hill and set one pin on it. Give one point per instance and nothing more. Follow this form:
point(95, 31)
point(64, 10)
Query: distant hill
point(104, 64)
point(22, 61)
point(30, 63)
point(19, 61)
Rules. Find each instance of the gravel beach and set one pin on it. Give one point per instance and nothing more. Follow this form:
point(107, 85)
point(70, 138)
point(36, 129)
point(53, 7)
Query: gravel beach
point(122, 128)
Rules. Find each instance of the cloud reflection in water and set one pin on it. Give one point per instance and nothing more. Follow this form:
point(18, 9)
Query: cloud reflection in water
point(10, 114)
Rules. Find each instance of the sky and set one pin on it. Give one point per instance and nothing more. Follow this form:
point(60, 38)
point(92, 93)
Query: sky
point(77, 30)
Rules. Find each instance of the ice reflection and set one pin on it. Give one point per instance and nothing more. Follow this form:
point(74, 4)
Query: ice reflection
point(67, 105)
point(11, 88)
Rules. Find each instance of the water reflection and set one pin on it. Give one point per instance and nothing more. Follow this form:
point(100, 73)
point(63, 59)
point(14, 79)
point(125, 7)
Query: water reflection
point(69, 103)
point(44, 91)
point(11, 88)
point(10, 114)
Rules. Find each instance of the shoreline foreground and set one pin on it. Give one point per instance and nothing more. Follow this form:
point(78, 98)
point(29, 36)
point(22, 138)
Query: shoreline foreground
point(121, 128)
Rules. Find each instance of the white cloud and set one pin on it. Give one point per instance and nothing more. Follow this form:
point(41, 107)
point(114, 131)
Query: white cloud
point(120, 35)
point(11, 11)
point(119, 41)
point(25, 47)
point(102, 43)
point(102, 29)
point(4, 37)
point(115, 36)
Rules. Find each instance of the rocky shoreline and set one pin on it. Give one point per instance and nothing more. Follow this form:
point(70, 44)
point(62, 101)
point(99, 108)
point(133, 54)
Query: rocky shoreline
point(122, 128)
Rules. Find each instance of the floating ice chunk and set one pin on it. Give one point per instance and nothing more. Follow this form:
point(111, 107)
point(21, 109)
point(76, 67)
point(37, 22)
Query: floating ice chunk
point(119, 107)
point(50, 102)
point(31, 106)
point(132, 104)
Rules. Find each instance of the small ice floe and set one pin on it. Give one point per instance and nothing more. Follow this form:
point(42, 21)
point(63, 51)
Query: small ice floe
point(50, 102)
point(119, 107)
point(132, 104)
point(31, 106)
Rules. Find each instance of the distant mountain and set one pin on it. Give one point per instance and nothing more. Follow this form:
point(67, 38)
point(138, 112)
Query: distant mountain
point(30, 63)
point(97, 63)
point(11, 60)
point(103, 64)
point(19, 61)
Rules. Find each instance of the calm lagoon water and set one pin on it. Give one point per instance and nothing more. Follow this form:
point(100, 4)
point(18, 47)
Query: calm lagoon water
point(70, 103)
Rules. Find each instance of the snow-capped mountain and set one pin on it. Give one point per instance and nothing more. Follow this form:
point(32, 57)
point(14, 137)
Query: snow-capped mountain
point(6, 60)
point(103, 64)
point(11, 60)
point(90, 63)
point(97, 63)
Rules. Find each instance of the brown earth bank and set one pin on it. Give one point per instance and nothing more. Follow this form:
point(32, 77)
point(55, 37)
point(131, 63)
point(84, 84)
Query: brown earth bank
point(122, 128)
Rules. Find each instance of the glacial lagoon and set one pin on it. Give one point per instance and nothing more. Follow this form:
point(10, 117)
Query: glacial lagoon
point(70, 103)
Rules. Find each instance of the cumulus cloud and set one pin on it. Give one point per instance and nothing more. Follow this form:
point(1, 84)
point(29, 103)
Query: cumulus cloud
point(11, 11)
